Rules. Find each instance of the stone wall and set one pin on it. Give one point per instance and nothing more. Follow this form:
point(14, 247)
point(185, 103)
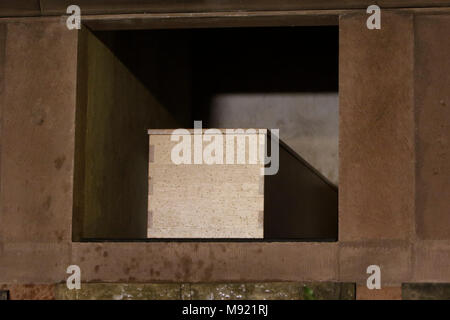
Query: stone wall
point(393, 169)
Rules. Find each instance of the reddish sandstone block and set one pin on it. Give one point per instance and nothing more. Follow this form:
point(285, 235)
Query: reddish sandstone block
point(431, 261)
point(38, 111)
point(25, 263)
point(30, 291)
point(376, 187)
point(386, 293)
point(432, 103)
point(392, 258)
point(203, 262)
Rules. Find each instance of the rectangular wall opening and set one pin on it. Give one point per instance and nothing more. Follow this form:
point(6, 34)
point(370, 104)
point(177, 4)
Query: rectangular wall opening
point(130, 81)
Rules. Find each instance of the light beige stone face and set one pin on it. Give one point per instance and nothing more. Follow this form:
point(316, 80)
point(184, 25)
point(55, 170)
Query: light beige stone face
point(203, 200)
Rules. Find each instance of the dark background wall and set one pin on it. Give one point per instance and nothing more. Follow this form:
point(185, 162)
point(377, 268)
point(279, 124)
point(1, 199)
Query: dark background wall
point(114, 110)
point(282, 78)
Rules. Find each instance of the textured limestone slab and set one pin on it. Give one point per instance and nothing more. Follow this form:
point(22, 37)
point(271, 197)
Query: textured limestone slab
point(179, 221)
point(201, 200)
point(247, 189)
point(161, 140)
point(211, 233)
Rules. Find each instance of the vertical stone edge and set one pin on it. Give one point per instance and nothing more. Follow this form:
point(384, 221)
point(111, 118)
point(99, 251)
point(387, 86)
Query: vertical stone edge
point(3, 31)
point(432, 101)
point(431, 252)
point(80, 136)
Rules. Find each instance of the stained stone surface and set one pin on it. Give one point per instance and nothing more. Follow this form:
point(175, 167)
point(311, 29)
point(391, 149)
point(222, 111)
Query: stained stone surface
point(426, 291)
point(120, 291)
point(273, 291)
point(209, 291)
point(385, 293)
point(3, 295)
point(28, 291)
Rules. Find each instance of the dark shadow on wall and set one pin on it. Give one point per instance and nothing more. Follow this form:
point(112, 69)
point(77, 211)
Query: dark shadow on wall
point(131, 81)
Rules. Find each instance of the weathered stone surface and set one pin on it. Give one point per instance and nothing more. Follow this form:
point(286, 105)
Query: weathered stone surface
point(3, 295)
point(376, 187)
point(431, 261)
point(38, 111)
point(209, 291)
point(432, 103)
point(426, 291)
point(2, 84)
point(245, 291)
point(392, 258)
point(206, 261)
point(186, 291)
point(113, 181)
point(375, 196)
point(385, 293)
point(15, 8)
point(29, 263)
point(30, 291)
point(273, 291)
point(56, 7)
point(120, 291)
point(348, 291)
